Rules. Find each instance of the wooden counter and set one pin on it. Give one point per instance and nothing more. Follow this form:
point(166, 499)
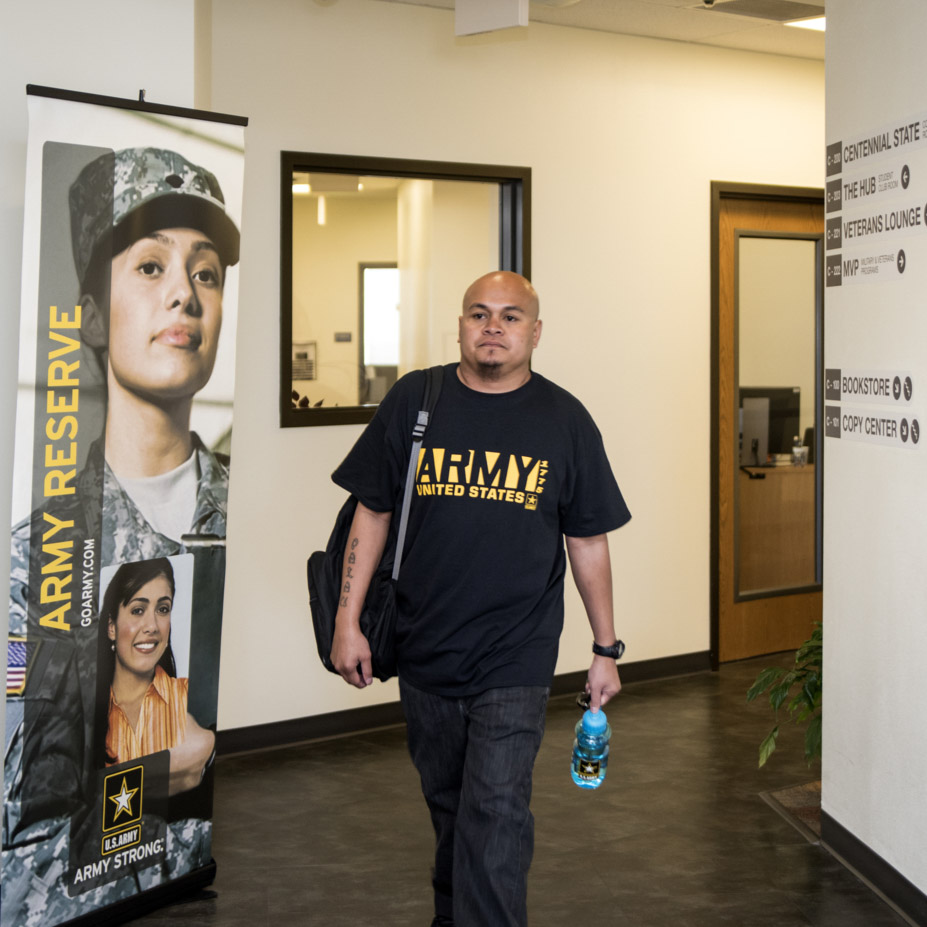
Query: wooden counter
point(776, 520)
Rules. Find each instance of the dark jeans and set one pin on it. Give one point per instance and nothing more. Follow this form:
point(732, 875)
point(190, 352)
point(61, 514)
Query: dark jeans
point(475, 756)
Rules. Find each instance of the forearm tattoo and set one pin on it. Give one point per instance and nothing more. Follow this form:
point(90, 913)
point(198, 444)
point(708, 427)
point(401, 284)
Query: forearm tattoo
point(349, 573)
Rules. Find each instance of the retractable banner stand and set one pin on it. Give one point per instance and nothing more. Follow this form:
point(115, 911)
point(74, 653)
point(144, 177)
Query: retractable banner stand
point(130, 282)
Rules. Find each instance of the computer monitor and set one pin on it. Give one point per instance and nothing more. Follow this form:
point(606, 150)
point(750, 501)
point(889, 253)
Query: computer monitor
point(754, 431)
point(784, 414)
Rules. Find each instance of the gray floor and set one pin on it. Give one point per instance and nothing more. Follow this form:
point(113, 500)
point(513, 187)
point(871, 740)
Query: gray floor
point(335, 833)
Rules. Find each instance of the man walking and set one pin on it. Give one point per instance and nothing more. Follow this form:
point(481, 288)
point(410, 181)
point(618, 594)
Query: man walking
point(512, 465)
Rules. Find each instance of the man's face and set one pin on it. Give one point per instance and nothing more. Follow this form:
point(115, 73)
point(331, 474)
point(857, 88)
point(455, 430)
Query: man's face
point(165, 314)
point(499, 327)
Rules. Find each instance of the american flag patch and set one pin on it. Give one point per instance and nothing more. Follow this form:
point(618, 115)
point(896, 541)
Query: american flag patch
point(15, 667)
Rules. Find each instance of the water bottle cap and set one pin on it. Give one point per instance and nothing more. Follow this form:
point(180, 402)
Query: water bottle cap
point(594, 722)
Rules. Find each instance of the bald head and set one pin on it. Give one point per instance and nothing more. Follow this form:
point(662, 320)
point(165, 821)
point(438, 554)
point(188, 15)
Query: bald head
point(498, 329)
point(504, 284)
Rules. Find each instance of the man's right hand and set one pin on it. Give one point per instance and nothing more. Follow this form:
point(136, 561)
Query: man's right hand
point(351, 655)
point(350, 651)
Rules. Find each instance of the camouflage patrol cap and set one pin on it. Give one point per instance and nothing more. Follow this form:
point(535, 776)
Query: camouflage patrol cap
point(125, 195)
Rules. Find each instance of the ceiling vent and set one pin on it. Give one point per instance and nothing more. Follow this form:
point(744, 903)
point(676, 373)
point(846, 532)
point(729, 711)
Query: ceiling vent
point(777, 11)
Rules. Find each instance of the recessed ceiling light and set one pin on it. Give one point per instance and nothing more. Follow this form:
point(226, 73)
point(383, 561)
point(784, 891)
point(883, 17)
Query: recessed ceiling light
point(816, 23)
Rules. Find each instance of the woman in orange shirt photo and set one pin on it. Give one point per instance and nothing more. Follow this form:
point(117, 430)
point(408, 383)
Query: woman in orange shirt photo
point(146, 710)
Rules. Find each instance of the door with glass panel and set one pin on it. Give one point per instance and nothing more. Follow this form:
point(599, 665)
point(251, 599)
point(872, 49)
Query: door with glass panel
point(768, 250)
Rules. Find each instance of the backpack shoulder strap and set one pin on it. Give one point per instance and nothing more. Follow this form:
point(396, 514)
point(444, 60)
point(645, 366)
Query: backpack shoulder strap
point(434, 376)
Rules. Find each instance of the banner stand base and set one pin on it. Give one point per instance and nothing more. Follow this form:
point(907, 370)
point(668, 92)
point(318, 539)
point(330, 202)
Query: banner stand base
point(173, 892)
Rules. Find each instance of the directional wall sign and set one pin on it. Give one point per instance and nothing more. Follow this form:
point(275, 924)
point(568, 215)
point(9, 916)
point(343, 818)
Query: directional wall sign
point(879, 387)
point(876, 204)
point(857, 423)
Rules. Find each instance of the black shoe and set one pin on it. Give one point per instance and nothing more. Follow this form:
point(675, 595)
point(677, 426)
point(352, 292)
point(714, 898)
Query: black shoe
point(442, 921)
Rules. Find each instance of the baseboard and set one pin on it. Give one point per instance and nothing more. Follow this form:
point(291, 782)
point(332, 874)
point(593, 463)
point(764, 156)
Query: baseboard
point(315, 727)
point(355, 720)
point(641, 671)
point(888, 881)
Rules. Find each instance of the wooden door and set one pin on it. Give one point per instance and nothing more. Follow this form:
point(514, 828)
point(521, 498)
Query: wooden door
point(747, 626)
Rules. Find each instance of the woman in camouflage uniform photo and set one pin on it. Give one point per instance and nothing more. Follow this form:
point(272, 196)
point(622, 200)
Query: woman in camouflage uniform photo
point(151, 241)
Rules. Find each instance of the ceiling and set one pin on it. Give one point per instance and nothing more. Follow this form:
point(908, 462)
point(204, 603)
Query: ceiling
point(748, 25)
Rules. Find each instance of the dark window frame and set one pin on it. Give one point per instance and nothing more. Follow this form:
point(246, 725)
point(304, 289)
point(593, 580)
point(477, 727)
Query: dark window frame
point(514, 245)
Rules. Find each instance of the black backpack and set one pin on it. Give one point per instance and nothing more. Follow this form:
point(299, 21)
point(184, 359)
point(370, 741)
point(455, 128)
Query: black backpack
point(324, 567)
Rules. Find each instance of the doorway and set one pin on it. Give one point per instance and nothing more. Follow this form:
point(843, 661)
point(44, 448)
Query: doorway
point(378, 330)
point(766, 489)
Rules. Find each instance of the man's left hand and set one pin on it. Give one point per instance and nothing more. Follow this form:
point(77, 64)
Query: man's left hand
point(602, 681)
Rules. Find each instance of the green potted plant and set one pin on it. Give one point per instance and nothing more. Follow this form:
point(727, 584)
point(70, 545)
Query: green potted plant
point(799, 689)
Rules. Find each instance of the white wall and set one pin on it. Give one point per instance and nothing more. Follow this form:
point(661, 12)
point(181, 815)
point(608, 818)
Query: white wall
point(466, 221)
point(416, 211)
point(776, 317)
point(875, 541)
point(448, 236)
point(325, 260)
point(624, 136)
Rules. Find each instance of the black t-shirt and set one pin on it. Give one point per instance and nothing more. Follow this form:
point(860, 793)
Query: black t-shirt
point(500, 479)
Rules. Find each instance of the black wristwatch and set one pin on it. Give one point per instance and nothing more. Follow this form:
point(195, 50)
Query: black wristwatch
point(616, 651)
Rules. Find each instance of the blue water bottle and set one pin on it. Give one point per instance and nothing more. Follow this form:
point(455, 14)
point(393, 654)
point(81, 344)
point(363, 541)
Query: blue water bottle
point(590, 749)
